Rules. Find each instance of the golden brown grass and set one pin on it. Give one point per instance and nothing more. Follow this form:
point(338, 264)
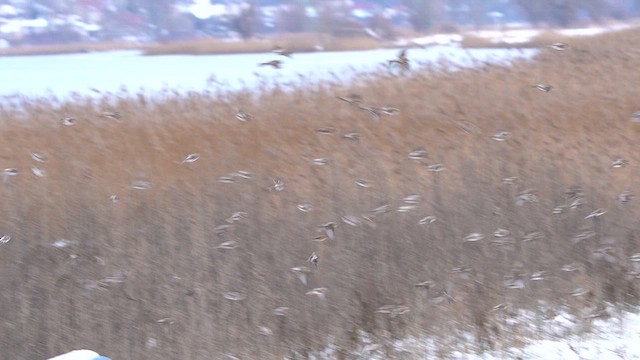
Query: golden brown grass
point(164, 239)
point(57, 49)
point(293, 42)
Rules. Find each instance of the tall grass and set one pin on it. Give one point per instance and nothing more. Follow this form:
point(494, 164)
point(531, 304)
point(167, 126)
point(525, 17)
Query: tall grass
point(305, 42)
point(163, 241)
point(56, 49)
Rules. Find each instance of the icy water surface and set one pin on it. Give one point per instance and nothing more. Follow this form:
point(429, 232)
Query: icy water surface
point(61, 75)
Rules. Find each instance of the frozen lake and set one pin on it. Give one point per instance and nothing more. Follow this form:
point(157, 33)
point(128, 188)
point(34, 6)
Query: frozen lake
point(61, 75)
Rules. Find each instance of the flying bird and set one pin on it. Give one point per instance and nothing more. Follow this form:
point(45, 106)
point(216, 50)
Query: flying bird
point(473, 237)
point(501, 136)
point(543, 87)
point(353, 136)
point(320, 292)
point(301, 272)
point(329, 229)
point(353, 99)
point(282, 51)
point(559, 46)
point(69, 121)
point(38, 157)
point(38, 172)
point(191, 158)
point(243, 116)
point(305, 207)
point(114, 115)
point(276, 64)
point(313, 258)
point(5, 239)
point(402, 60)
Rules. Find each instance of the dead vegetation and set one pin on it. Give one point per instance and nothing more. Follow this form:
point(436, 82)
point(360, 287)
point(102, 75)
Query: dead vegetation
point(58, 49)
point(304, 42)
point(171, 272)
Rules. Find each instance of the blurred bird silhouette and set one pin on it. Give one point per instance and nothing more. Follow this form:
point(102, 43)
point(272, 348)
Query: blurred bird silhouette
point(402, 60)
point(276, 64)
point(281, 51)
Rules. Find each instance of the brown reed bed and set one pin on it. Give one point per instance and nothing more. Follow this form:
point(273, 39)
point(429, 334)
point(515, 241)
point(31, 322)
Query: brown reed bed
point(75, 48)
point(145, 278)
point(305, 42)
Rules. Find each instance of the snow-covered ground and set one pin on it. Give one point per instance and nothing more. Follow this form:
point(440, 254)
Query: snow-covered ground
point(80, 355)
point(567, 337)
point(102, 72)
point(513, 34)
point(560, 337)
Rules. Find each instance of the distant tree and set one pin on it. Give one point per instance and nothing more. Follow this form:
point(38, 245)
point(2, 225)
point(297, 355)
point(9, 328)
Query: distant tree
point(334, 18)
point(424, 14)
point(158, 13)
point(293, 17)
point(245, 23)
point(565, 12)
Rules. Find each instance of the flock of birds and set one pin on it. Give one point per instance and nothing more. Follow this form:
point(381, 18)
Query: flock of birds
point(501, 237)
point(402, 60)
point(516, 280)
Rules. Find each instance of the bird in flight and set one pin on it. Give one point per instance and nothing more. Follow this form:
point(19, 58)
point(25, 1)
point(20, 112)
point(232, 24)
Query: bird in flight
point(559, 46)
point(402, 60)
point(282, 51)
point(276, 64)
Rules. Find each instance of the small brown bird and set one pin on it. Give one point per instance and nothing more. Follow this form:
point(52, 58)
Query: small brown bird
point(113, 115)
point(543, 87)
point(559, 46)
point(276, 64)
point(329, 230)
point(243, 116)
point(313, 258)
point(281, 51)
point(69, 121)
point(319, 292)
point(353, 99)
point(402, 60)
point(373, 111)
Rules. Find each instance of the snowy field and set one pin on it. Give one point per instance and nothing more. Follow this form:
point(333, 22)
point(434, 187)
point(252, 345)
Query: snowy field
point(60, 75)
point(566, 337)
point(513, 34)
point(561, 337)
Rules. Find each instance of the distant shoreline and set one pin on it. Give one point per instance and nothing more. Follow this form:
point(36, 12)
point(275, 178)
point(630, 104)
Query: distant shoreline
point(507, 37)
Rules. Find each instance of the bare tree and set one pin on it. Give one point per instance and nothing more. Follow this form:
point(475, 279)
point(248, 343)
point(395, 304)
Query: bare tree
point(158, 14)
point(245, 23)
point(564, 12)
point(293, 18)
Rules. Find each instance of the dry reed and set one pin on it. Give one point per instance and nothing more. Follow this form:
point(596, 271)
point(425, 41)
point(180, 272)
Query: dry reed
point(165, 241)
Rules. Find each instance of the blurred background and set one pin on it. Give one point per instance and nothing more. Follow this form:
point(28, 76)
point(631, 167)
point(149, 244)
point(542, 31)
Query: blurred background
point(143, 21)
